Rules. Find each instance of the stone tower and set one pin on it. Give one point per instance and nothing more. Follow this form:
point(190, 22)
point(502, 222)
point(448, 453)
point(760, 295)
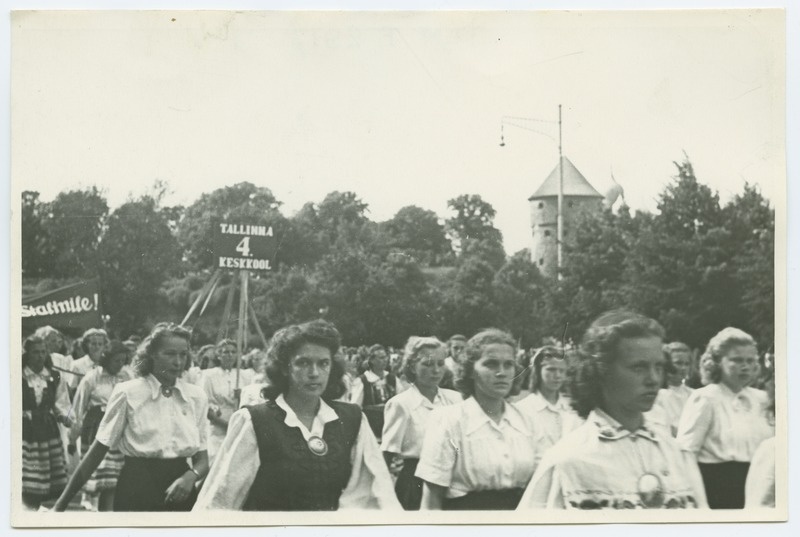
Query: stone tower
point(578, 194)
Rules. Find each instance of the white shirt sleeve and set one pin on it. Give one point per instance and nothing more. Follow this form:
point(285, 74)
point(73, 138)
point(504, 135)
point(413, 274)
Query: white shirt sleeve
point(759, 489)
point(234, 469)
point(357, 392)
point(437, 459)
point(370, 485)
point(395, 425)
point(62, 398)
point(79, 409)
point(115, 419)
point(544, 491)
point(695, 423)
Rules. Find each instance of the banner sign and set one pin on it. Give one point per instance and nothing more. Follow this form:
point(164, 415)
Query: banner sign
point(244, 246)
point(73, 306)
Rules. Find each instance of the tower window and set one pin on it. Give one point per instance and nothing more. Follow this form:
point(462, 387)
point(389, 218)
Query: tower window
point(541, 205)
point(541, 261)
point(570, 204)
point(546, 232)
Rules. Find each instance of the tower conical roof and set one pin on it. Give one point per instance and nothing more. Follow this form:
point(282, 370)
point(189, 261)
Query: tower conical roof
point(575, 184)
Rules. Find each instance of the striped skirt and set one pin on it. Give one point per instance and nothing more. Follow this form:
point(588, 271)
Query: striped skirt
point(106, 475)
point(44, 473)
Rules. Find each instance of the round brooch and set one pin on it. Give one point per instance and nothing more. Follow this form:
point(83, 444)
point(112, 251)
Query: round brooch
point(651, 490)
point(166, 391)
point(317, 446)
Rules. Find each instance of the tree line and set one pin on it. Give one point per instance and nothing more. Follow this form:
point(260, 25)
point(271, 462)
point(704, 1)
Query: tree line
point(695, 264)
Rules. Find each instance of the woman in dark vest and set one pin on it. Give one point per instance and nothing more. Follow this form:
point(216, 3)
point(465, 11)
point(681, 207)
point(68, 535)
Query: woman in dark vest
point(45, 404)
point(374, 387)
point(300, 450)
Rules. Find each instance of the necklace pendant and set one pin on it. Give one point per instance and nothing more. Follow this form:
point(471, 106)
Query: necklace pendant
point(651, 491)
point(318, 446)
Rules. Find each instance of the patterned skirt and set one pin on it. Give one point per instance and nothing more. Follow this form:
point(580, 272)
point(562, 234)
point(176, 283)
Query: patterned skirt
point(44, 473)
point(106, 475)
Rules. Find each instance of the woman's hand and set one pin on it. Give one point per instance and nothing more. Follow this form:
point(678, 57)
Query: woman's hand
point(180, 489)
point(396, 465)
point(65, 421)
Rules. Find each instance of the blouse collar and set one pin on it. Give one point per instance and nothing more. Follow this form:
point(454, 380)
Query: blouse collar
point(30, 373)
point(155, 386)
point(477, 418)
point(539, 403)
point(325, 414)
point(610, 429)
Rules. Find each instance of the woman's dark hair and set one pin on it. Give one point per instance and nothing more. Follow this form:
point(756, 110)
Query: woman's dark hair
point(284, 346)
point(29, 342)
point(115, 347)
point(473, 351)
point(542, 355)
point(88, 335)
point(143, 365)
point(598, 350)
point(411, 354)
point(719, 345)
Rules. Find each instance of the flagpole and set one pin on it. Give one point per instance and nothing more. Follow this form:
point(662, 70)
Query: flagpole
point(560, 213)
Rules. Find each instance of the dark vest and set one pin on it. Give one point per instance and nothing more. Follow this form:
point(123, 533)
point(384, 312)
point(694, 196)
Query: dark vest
point(48, 396)
point(291, 477)
point(372, 395)
point(374, 402)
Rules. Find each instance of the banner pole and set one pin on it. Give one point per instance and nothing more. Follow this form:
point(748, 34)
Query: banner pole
point(258, 326)
point(242, 325)
point(226, 313)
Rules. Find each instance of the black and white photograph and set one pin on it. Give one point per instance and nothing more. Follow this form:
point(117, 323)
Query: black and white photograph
point(279, 268)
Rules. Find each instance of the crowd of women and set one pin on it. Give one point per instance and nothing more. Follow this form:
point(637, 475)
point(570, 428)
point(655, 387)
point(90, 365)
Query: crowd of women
point(618, 422)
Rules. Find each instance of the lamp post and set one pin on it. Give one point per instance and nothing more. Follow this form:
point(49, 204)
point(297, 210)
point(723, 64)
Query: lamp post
point(514, 122)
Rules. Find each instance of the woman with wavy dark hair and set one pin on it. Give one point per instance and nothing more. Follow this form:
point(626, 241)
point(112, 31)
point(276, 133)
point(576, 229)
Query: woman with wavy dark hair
point(616, 460)
point(724, 422)
point(481, 452)
point(158, 422)
point(300, 450)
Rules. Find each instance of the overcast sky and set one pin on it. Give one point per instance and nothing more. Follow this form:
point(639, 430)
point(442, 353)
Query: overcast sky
point(399, 108)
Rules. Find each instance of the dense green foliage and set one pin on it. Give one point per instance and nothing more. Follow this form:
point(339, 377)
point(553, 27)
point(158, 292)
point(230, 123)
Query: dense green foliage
point(695, 265)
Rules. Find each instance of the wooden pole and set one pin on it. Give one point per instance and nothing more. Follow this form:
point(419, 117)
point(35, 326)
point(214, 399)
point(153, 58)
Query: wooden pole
point(226, 313)
point(242, 328)
point(257, 326)
point(560, 215)
point(203, 292)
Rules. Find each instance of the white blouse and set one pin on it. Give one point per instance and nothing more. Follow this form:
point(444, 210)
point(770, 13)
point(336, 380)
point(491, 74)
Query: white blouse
point(406, 416)
point(600, 464)
point(234, 470)
point(251, 394)
point(552, 421)
point(141, 422)
point(668, 407)
point(220, 385)
point(721, 426)
point(759, 490)
point(94, 390)
point(466, 451)
point(80, 368)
